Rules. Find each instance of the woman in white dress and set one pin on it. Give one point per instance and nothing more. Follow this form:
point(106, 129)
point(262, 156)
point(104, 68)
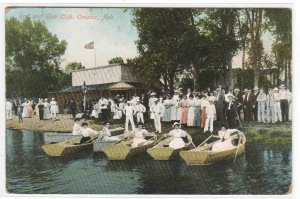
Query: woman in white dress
point(174, 106)
point(177, 134)
point(118, 111)
point(106, 135)
point(167, 111)
point(191, 112)
point(225, 142)
point(139, 136)
point(46, 110)
point(25, 109)
point(179, 108)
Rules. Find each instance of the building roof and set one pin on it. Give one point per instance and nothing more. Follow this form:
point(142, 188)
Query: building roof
point(98, 87)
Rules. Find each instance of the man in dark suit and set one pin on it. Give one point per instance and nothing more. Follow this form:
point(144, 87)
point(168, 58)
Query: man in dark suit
point(238, 97)
point(220, 104)
point(255, 91)
point(145, 101)
point(231, 112)
point(249, 105)
point(73, 108)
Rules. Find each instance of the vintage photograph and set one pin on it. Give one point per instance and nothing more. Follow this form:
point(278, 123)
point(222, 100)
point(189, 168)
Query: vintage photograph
point(148, 100)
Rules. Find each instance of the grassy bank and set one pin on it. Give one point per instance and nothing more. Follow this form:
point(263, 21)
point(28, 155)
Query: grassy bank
point(265, 133)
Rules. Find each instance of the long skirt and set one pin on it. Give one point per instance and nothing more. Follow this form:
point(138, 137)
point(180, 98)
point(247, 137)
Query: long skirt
point(167, 115)
point(177, 143)
point(173, 113)
point(191, 117)
point(184, 115)
point(30, 111)
point(203, 117)
point(37, 112)
point(197, 118)
point(46, 114)
point(179, 112)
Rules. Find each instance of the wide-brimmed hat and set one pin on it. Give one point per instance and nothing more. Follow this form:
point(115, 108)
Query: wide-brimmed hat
point(176, 124)
point(255, 88)
point(230, 95)
point(282, 86)
point(153, 94)
point(236, 89)
point(128, 102)
point(52, 98)
point(275, 89)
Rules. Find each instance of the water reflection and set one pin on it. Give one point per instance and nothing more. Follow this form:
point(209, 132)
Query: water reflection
point(262, 170)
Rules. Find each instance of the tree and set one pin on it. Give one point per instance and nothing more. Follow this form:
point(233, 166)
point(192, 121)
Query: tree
point(256, 28)
point(163, 42)
point(116, 60)
point(219, 25)
point(73, 66)
point(33, 57)
point(280, 24)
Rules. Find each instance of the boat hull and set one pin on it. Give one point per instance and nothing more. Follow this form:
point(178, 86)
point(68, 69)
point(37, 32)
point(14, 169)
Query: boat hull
point(54, 137)
point(123, 151)
point(204, 157)
point(66, 148)
point(98, 145)
point(159, 152)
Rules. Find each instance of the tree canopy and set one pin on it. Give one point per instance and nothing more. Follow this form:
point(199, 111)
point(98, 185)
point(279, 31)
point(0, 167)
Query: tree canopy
point(33, 57)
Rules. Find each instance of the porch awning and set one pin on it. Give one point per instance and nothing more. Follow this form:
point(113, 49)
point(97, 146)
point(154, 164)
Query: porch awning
point(121, 86)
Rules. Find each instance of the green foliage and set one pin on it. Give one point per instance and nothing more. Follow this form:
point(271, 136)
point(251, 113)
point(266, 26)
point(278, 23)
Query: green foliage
point(33, 57)
point(116, 60)
point(73, 66)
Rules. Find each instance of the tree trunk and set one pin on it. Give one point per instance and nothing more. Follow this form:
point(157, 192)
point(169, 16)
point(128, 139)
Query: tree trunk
point(256, 77)
point(290, 74)
point(196, 77)
point(243, 64)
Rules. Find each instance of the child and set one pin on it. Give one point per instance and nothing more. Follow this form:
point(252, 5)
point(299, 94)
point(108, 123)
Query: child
point(210, 116)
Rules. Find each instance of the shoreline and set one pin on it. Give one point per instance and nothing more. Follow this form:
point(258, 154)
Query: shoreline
point(256, 132)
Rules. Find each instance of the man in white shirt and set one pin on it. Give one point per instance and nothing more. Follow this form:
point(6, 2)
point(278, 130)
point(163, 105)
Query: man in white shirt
point(129, 111)
point(157, 109)
point(103, 103)
point(151, 103)
point(8, 109)
point(86, 133)
point(76, 127)
point(53, 109)
point(277, 105)
point(140, 109)
point(210, 116)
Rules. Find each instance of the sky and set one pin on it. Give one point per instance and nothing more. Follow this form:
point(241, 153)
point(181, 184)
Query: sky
point(110, 29)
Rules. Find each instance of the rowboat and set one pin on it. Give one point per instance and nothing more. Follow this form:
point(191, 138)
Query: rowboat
point(98, 144)
point(54, 137)
point(68, 147)
point(203, 155)
point(122, 150)
point(162, 151)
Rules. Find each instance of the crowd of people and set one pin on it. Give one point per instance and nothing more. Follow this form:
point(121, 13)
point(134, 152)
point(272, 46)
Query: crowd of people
point(27, 108)
point(199, 109)
point(202, 109)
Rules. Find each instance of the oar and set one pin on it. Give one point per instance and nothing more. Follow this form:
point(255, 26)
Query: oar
point(205, 140)
point(237, 148)
point(160, 138)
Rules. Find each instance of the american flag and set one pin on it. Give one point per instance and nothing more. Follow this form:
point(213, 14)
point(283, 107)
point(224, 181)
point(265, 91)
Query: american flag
point(89, 45)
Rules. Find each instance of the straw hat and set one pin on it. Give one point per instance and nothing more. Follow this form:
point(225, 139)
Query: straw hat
point(176, 124)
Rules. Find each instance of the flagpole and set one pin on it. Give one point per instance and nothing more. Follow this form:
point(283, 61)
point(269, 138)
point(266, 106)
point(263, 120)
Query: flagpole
point(95, 58)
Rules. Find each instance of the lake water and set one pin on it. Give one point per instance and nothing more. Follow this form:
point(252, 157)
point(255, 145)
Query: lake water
point(263, 169)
